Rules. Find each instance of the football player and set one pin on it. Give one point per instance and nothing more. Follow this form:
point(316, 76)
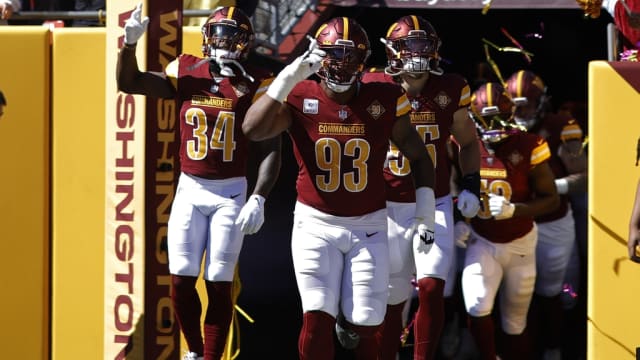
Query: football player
point(439, 109)
point(340, 129)
point(556, 230)
point(210, 213)
point(517, 185)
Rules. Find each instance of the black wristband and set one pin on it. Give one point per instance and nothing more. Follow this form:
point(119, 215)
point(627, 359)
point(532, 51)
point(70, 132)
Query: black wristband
point(471, 183)
point(457, 215)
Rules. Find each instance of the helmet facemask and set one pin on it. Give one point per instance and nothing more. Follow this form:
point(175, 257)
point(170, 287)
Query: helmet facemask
point(227, 39)
point(492, 109)
point(495, 128)
point(342, 65)
point(412, 51)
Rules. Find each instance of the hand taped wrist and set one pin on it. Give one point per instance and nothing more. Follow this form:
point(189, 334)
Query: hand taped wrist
point(280, 87)
point(425, 203)
point(471, 182)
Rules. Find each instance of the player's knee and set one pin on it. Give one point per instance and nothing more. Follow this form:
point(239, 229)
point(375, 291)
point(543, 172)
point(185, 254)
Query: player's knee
point(184, 268)
point(367, 316)
point(479, 309)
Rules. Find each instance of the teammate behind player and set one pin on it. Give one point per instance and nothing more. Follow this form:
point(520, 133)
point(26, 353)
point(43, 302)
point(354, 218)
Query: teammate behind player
point(440, 109)
point(556, 230)
point(517, 185)
point(340, 129)
point(207, 216)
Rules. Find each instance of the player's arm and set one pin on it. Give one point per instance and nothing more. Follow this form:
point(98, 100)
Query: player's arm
point(251, 216)
point(266, 118)
point(463, 130)
point(128, 76)
point(634, 225)
point(574, 159)
point(408, 141)
point(546, 197)
point(269, 159)
point(133, 81)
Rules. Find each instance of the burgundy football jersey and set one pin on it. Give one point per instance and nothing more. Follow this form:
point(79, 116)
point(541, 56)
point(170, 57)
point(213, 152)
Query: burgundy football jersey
point(556, 129)
point(432, 115)
point(212, 143)
point(504, 170)
point(341, 149)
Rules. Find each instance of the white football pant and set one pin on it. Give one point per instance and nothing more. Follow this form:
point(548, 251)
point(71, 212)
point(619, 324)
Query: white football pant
point(202, 219)
point(342, 263)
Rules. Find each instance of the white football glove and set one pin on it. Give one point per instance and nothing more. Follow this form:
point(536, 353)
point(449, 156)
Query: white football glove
point(422, 231)
point(461, 233)
point(135, 26)
point(500, 207)
point(562, 186)
point(468, 204)
point(251, 215)
point(301, 68)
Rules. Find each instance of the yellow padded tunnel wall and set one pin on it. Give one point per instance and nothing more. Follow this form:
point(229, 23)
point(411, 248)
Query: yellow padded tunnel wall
point(78, 173)
point(614, 288)
point(24, 193)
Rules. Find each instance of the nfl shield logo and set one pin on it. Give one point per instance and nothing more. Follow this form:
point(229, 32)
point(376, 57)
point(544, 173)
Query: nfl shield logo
point(343, 114)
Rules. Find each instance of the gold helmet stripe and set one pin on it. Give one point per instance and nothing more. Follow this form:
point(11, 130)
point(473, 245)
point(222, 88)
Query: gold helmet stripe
point(489, 93)
point(519, 83)
point(416, 25)
point(345, 26)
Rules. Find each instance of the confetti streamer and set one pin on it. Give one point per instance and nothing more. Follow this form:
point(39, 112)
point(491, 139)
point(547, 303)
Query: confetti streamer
point(493, 64)
point(568, 289)
point(405, 332)
point(516, 43)
point(536, 35)
point(629, 55)
point(507, 48)
point(485, 8)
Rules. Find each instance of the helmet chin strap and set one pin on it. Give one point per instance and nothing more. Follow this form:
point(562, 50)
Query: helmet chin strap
point(220, 66)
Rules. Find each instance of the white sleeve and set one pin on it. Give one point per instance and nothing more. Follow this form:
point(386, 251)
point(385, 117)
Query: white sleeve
point(610, 6)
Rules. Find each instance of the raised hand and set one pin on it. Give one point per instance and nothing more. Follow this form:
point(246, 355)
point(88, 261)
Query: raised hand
point(301, 68)
point(135, 26)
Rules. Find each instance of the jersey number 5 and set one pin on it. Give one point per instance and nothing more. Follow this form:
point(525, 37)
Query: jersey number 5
point(398, 164)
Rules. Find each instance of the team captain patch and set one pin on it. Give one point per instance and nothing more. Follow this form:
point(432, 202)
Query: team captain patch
point(310, 106)
point(375, 109)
